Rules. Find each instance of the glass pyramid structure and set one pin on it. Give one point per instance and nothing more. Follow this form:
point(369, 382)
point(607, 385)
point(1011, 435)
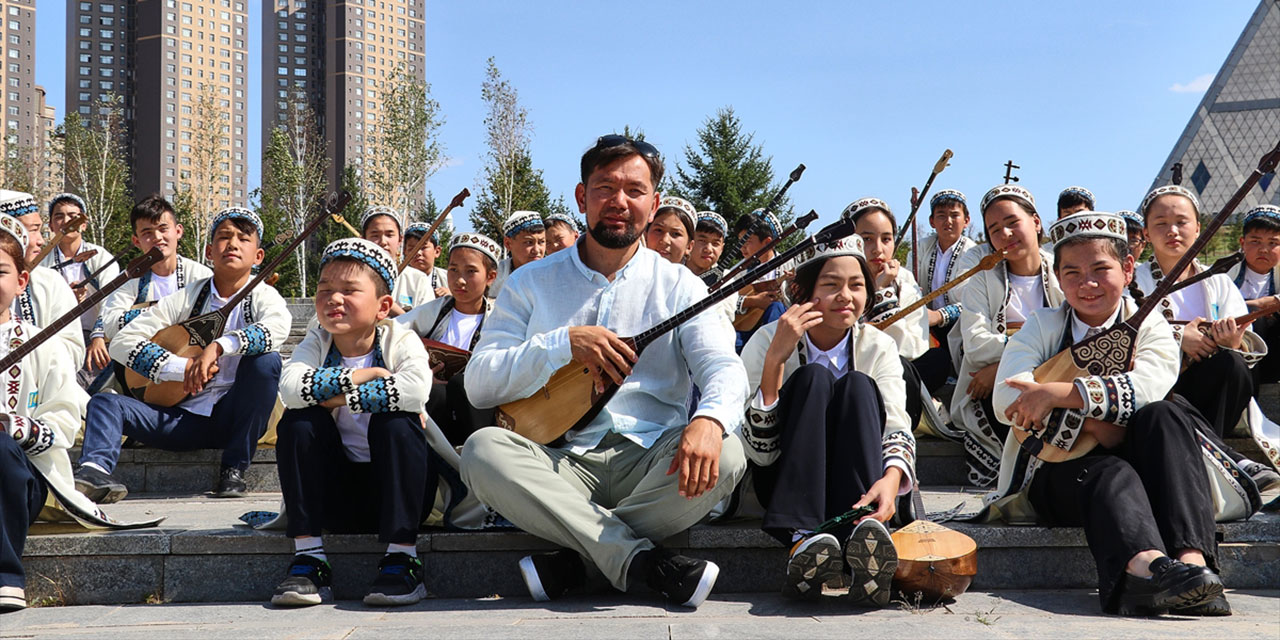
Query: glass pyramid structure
point(1237, 121)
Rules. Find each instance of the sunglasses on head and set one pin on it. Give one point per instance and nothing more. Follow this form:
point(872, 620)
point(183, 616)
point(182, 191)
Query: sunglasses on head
point(615, 140)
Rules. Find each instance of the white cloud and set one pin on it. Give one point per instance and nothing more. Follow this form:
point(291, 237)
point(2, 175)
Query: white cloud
point(1199, 85)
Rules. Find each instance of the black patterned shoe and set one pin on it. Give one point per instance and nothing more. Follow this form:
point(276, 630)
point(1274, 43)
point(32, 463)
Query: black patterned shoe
point(310, 582)
point(399, 582)
point(814, 561)
point(873, 560)
point(1172, 585)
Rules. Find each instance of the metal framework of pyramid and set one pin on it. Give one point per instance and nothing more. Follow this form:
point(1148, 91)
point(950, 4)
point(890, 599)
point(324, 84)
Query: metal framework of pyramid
point(1237, 121)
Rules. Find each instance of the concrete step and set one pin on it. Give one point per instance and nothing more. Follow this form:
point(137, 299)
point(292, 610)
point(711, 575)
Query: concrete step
point(202, 554)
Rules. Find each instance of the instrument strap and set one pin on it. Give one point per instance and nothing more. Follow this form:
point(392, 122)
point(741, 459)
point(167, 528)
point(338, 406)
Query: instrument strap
point(447, 307)
point(201, 299)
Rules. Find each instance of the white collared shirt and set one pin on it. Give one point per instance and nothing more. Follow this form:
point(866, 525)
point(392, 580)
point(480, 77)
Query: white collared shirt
point(1079, 328)
point(940, 266)
point(1255, 285)
point(174, 369)
point(526, 339)
point(835, 359)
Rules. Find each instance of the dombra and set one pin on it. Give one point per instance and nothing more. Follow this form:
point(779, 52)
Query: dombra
point(934, 560)
point(189, 338)
point(569, 400)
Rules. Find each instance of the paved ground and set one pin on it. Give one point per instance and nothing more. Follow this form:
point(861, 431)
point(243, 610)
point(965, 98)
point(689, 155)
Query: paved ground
point(978, 615)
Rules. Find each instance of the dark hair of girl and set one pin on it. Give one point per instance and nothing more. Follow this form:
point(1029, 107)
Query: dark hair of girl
point(802, 286)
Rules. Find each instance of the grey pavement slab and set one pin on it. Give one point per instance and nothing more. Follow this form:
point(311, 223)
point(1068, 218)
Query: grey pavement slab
point(1000, 614)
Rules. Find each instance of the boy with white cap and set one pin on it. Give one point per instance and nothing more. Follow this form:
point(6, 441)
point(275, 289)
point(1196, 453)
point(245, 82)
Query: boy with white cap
point(383, 227)
point(524, 236)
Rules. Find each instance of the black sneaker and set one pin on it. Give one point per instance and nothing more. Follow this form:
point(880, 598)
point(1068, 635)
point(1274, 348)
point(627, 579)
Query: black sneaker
point(310, 582)
point(1262, 476)
point(872, 560)
point(98, 486)
point(231, 484)
point(1216, 607)
point(399, 582)
point(549, 575)
point(684, 581)
point(1172, 585)
point(814, 561)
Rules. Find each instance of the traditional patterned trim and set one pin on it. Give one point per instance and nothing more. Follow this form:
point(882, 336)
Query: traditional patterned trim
point(375, 396)
point(1109, 398)
point(1132, 221)
point(32, 435)
point(565, 218)
point(947, 195)
point(522, 221)
point(847, 246)
point(367, 252)
point(1008, 191)
point(885, 302)
point(419, 229)
point(128, 317)
point(901, 446)
point(11, 226)
point(17, 203)
point(478, 242)
point(374, 212)
point(950, 313)
point(147, 358)
point(1082, 192)
point(1267, 211)
point(26, 309)
point(714, 219)
point(1169, 189)
point(66, 197)
point(683, 208)
point(240, 213)
point(1089, 225)
point(254, 339)
point(769, 221)
point(324, 383)
point(858, 206)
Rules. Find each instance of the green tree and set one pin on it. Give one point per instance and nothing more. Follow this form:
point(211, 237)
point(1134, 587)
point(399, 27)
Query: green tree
point(294, 173)
point(527, 191)
point(95, 169)
point(204, 188)
point(728, 173)
point(403, 148)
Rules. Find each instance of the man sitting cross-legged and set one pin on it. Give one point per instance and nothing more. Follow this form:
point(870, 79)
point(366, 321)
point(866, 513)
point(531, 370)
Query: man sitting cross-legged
point(641, 470)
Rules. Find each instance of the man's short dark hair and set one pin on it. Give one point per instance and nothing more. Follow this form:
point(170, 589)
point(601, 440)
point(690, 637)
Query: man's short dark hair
point(1261, 223)
point(611, 148)
point(706, 226)
point(1070, 199)
point(151, 209)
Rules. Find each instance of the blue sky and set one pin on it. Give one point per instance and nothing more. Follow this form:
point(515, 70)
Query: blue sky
point(867, 95)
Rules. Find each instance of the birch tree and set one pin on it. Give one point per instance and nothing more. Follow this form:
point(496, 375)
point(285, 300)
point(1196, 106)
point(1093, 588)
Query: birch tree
point(93, 161)
point(204, 186)
point(402, 148)
point(294, 171)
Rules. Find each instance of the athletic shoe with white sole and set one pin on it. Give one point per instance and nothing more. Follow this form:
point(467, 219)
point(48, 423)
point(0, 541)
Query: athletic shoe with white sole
point(399, 582)
point(872, 560)
point(549, 575)
point(12, 599)
point(684, 581)
point(310, 582)
point(814, 561)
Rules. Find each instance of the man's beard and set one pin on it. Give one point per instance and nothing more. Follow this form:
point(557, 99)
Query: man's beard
point(614, 239)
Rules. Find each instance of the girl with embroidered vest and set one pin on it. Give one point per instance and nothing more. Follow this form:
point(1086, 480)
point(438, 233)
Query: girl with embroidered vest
point(826, 426)
point(1171, 214)
point(670, 233)
point(383, 227)
point(37, 428)
point(936, 265)
point(231, 384)
point(456, 320)
point(351, 448)
point(425, 259)
point(1148, 494)
point(994, 304)
point(154, 225)
point(1258, 279)
point(895, 288)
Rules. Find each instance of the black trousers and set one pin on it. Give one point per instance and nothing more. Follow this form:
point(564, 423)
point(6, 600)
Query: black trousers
point(22, 494)
point(324, 491)
point(935, 365)
point(1267, 371)
point(915, 402)
point(1151, 492)
point(831, 450)
point(449, 407)
point(1219, 387)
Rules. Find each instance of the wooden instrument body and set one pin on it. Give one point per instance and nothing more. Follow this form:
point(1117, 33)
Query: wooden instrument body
point(568, 401)
point(454, 359)
point(748, 320)
point(187, 339)
point(934, 560)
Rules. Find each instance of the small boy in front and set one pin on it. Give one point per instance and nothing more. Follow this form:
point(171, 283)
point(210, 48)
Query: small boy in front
point(231, 385)
point(1143, 495)
point(351, 450)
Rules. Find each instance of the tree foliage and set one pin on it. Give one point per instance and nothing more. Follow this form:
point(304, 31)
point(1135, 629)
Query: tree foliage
point(402, 148)
point(294, 182)
point(204, 188)
point(93, 158)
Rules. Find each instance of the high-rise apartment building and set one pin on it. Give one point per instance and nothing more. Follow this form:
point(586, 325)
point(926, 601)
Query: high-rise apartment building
point(20, 100)
point(338, 55)
point(161, 56)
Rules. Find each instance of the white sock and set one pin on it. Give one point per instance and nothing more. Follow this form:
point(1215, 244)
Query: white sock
point(410, 550)
point(800, 534)
point(309, 546)
point(94, 465)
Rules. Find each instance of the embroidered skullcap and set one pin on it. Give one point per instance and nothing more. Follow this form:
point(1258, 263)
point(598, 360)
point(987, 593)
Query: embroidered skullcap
point(565, 218)
point(67, 197)
point(17, 203)
point(419, 229)
point(767, 222)
point(1168, 189)
point(1270, 212)
point(522, 221)
point(238, 213)
point(714, 219)
point(481, 243)
point(847, 246)
point(1089, 224)
point(682, 207)
point(1079, 191)
point(858, 206)
point(1132, 219)
point(14, 228)
point(947, 195)
point(365, 251)
point(380, 211)
point(1023, 196)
